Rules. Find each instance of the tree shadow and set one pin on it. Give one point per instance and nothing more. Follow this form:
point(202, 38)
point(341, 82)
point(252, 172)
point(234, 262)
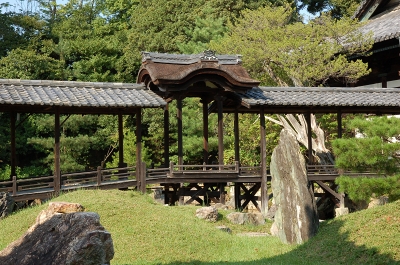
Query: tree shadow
point(326, 247)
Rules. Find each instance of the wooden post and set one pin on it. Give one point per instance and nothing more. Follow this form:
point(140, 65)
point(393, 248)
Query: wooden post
point(180, 131)
point(143, 178)
point(264, 195)
point(121, 141)
point(57, 163)
point(166, 135)
point(237, 159)
point(14, 186)
point(138, 146)
point(339, 123)
point(309, 137)
point(220, 132)
point(13, 146)
point(236, 133)
point(99, 176)
point(166, 193)
point(205, 131)
point(237, 196)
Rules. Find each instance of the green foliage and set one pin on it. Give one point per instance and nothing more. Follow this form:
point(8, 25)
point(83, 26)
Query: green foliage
point(362, 188)
point(205, 30)
point(373, 152)
point(271, 44)
point(29, 64)
point(84, 140)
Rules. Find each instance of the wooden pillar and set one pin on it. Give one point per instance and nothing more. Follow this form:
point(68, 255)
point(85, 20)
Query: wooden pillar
point(139, 148)
point(384, 81)
point(309, 137)
point(13, 146)
point(263, 147)
point(237, 158)
point(166, 135)
point(57, 165)
point(220, 132)
point(121, 140)
point(339, 123)
point(205, 131)
point(180, 131)
point(236, 133)
point(180, 145)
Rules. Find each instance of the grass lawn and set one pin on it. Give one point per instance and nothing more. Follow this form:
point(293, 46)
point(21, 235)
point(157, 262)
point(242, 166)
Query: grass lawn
point(145, 232)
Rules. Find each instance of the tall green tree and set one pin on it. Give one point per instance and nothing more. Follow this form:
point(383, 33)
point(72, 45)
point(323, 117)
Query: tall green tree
point(280, 52)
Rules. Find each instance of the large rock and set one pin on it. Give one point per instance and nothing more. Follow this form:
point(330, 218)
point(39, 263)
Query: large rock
point(296, 218)
point(246, 218)
point(62, 234)
point(207, 213)
point(6, 204)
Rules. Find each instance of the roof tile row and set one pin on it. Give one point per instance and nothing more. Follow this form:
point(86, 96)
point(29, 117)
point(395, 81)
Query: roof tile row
point(79, 94)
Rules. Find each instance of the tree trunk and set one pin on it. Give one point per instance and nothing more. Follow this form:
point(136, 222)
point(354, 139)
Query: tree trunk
point(297, 125)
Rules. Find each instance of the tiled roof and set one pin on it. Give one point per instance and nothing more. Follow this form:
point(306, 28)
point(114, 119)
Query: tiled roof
point(190, 58)
point(322, 97)
point(76, 94)
point(385, 25)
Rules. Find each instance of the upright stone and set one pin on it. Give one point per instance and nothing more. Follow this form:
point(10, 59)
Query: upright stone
point(296, 218)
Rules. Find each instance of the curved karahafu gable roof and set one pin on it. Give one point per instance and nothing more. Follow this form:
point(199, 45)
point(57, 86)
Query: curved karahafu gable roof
point(69, 94)
point(303, 99)
point(179, 71)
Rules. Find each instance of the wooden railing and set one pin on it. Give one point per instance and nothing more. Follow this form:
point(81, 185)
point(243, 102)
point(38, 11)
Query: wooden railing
point(203, 168)
point(118, 177)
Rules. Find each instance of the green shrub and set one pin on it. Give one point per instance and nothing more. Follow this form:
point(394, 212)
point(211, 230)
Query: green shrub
point(363, 188)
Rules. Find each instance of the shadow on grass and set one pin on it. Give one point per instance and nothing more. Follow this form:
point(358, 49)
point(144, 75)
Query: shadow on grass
point(326, 247)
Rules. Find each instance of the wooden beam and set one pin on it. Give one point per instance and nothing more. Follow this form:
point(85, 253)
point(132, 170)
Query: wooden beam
point(328, 189)
point(57, 163)
point(264, 197)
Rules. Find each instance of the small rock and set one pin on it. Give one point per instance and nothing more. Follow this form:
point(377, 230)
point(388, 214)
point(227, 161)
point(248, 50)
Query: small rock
point(207, 213)
point(341, 211)
point(382, 200)
point(224, 228)
point(246, 218)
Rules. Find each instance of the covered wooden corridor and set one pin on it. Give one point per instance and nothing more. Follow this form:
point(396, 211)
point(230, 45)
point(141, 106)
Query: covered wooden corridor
point(223, 86)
